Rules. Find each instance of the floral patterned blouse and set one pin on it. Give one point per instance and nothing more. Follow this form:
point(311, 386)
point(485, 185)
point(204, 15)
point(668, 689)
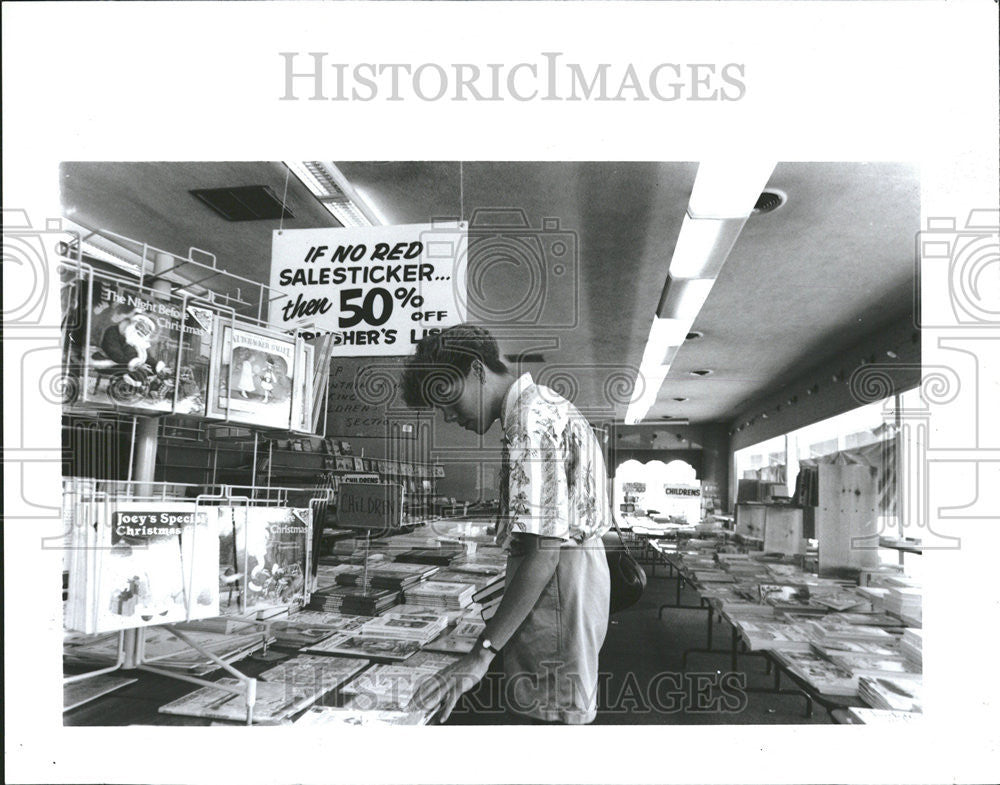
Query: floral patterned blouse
point(553, 481)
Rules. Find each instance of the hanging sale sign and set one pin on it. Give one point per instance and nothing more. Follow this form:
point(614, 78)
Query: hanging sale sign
point(377, 289)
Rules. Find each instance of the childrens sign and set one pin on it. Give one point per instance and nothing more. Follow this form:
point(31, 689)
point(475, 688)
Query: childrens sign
point(683, 502)
point(376, 507)
point(377, 289)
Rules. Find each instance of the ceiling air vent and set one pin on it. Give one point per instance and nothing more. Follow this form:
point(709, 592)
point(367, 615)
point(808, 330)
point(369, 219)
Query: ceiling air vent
point(527, 357)
point(769, 201)
point(244, 203)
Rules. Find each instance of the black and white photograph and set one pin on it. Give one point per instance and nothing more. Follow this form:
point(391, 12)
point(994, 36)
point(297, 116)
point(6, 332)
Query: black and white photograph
point(608, 375)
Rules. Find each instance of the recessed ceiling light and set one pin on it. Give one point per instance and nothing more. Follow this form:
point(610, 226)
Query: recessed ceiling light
point(701, 372)
point(694, 335)
point(680, 400)
point(769, 201)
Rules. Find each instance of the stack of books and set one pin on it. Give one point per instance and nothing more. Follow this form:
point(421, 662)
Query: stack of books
point(441, 557)
point(824, 676)
point(480, 566)
point(891, 694)
point(833, 646)
point(326, 574)
point(419, 627)
point(905, 603)
point(273, 613)
point(326, 672)
point(295, 636)
point(391, 575)
point(713, 576)
point(823, 631)
point(874, 665)
point(451, 575)
point(876, 595)
point(490, 590)
point(774, 635)
point(842, 601)
point(333, 621)
point(912, 645)
point(437, 594)
point(347, 600)
point(870, 619)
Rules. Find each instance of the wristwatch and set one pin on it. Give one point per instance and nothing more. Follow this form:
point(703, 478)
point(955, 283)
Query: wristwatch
point(488, 645)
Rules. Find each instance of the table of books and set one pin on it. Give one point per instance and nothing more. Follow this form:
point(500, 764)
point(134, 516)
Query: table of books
point(841, 644)
point(382, 617)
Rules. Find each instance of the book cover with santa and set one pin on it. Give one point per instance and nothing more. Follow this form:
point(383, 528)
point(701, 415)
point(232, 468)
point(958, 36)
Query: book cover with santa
point(134, 348)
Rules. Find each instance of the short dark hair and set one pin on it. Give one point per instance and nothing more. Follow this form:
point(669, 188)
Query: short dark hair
point(443, 361)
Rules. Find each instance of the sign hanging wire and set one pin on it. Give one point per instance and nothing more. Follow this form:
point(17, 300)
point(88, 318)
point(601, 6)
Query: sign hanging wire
point(284, 196)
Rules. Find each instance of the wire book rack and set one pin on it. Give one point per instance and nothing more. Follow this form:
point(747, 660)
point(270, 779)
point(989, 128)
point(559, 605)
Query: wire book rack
point(131, 654)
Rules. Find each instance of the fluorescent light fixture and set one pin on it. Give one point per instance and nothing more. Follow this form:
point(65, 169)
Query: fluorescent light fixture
point(366, 200)
point(703, 245)
point(683, 298)
point(644, 396)
point(665, 338)
point(334, 191)
point(663, 334)
point(728, 189)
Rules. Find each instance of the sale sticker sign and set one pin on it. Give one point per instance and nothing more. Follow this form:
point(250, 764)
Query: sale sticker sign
point(377, 289)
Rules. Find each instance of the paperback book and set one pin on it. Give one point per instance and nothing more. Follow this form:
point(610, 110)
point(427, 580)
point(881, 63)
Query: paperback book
point(77, 693)
point(863, 716)
point(343, 599)
point(387, 686)
point(825, 630)
point(143, 351)
point(912, 645)
point(874, 665)
point(419, 627)
point(254, 378)
point(824, 676)
point(264, 556)
point(322, 673)
point(276, 701)
point(892, 693)
point(327, 715)
point(142, 563)
point(441, 594)
point(774, 635)
point(376, 649)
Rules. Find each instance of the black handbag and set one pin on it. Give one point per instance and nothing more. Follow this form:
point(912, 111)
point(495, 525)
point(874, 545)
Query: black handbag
point(628, 579)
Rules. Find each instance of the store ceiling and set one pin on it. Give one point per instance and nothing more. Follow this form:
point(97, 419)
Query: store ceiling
point(833, 264)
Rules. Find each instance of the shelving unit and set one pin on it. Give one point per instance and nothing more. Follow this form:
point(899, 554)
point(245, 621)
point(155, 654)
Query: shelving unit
point(151, 439)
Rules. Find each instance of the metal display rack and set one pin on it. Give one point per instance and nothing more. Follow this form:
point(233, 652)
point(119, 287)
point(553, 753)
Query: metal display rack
point(151, 269)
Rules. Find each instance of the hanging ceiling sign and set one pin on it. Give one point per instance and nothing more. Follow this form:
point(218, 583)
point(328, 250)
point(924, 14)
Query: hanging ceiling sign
point(377, 289)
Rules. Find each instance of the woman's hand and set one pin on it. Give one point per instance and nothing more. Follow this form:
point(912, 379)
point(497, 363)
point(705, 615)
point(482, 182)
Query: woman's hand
point(443, 689)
